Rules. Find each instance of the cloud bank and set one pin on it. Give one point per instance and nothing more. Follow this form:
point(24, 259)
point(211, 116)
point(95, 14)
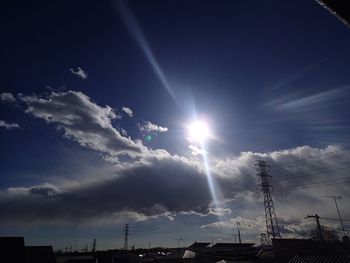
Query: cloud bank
point(152, 183)
point(161, 184)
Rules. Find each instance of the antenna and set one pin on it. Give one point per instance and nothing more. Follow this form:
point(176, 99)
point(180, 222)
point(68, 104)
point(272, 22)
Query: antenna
point(272, 228)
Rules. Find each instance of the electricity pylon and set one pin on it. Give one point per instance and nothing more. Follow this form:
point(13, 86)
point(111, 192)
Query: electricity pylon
point(272, 228)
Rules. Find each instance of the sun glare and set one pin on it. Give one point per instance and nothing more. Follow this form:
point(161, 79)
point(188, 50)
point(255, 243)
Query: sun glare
point(199, 131)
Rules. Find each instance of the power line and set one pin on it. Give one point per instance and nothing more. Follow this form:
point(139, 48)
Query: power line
point(315, 185)
point(189, 218)
point(335, 219)
point(314, 171)
point(287, 188)
point(302, 160)
point(336, 205)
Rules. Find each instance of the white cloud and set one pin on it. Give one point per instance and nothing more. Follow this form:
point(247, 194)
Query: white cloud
point(123, 132)
point(254, 225)
point(149, 127)
point(289, 227)
point(128, 111)
point(82, 121)
point(195, 150)
point(7, 97)
point(79, 72)
point(219, 211)
point(8, 125)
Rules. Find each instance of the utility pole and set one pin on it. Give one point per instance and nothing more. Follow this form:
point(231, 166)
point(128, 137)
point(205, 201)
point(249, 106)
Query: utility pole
point(239, 235)
point(319, 229)
point(272, 228)
point(263, 239)
point(75, 245)
point(126, 236)
point(233, 235)
point(94, 245)
point(336, 205)
point(178, 243)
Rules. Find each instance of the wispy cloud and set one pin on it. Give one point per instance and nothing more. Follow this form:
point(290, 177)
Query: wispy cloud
point(128, 111)
point(320, 100)
point(79, 72)
point(7, 125)
point(317, 114)
point(289, 103)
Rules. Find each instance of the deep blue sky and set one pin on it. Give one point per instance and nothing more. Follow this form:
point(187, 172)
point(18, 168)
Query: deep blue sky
point(267, 75)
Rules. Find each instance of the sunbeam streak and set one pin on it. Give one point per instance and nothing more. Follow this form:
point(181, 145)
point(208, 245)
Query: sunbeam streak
point(214, 191)
point(199, 132)
point(136, 32)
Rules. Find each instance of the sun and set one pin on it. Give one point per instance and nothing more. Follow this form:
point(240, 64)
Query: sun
point(198, 131)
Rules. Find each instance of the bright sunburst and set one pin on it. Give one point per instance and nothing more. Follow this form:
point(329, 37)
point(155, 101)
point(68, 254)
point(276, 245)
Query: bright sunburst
point(198, 131)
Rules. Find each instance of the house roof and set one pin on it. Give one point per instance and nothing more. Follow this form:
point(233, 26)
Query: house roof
point(320, 259)
point(233, 245)
point(40, 254)
point(199, 244)
point(12, 249)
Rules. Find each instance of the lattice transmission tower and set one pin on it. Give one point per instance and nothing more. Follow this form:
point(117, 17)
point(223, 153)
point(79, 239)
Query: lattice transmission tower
point(272, 228)
point(126, 236)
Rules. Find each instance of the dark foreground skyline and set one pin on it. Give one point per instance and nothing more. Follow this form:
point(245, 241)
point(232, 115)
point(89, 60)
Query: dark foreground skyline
point(99, 107)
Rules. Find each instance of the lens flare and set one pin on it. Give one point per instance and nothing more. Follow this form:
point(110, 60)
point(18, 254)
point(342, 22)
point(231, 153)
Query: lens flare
point(148, 137)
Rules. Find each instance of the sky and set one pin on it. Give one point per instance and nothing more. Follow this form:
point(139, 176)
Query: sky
point(97, 101)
